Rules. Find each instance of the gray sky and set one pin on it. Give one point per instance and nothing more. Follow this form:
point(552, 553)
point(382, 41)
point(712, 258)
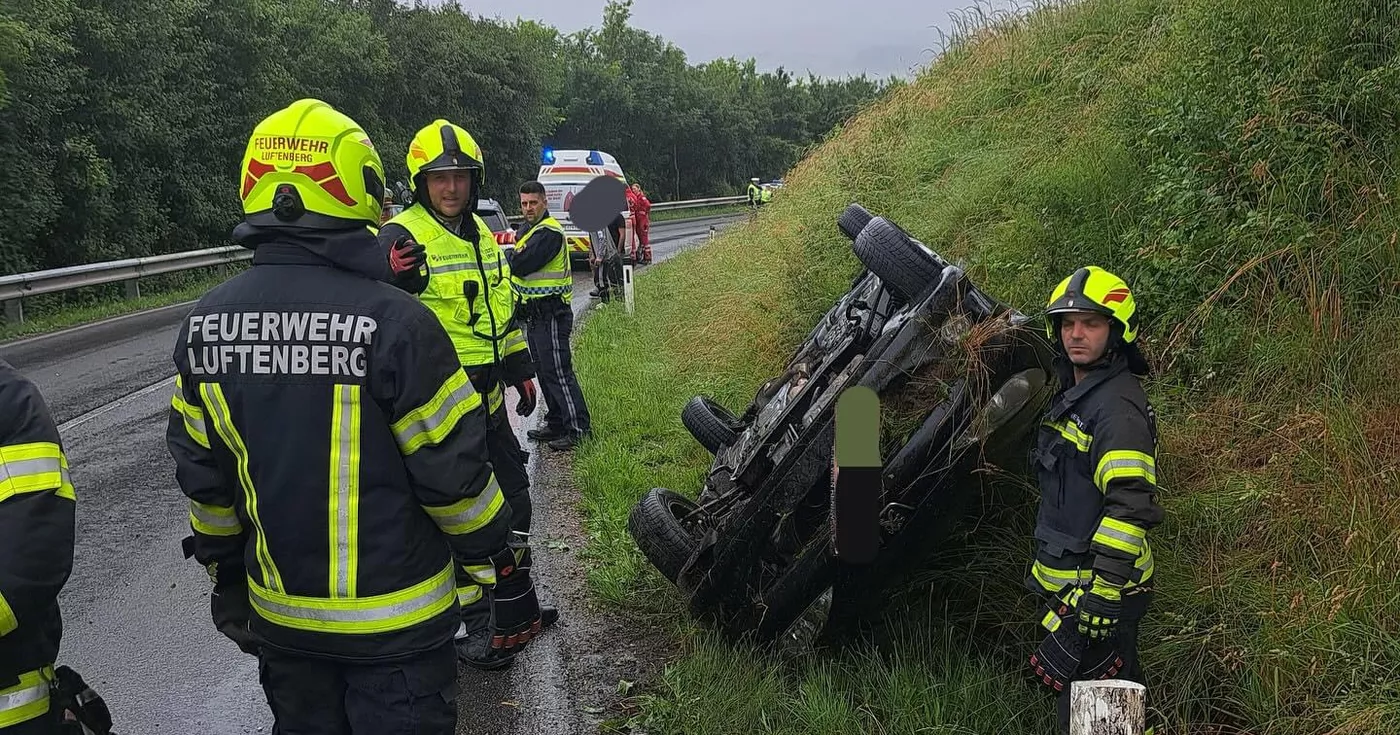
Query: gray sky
point(826, 37)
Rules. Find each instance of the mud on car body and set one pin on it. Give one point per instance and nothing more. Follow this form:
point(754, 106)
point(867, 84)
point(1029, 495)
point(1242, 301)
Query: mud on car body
point(962, 379)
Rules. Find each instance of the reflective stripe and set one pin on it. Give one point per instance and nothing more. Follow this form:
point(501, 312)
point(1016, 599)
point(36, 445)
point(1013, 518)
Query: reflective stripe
point(434, 420)
point(482, 573)
point(555, 278)
point(1053, 579)
point(1123, 463)
point(219, 411)
point(469, 514)
point(543, 290)
point(495, 398)
point(1120, 535)
point(214, 520)
point(8, 622)
point(514, 344)
point(542, 275)
point(469, 595)
point(1070, 430)
point(358, 615)
point(28, 699)
point(193, 415)
point(345, 490)
point(466, 265)
point(34, 467)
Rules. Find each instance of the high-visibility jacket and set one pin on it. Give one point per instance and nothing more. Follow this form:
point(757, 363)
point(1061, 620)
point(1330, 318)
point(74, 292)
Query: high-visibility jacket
point(555, 278)
point(333, 449)
point(1095, 458)
point(482, 327)
point(36, 546)
point(755, 193)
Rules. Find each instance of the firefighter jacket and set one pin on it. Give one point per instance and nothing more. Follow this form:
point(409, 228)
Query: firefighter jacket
point(468, 287)
point(36, 546)
point(332, 449)
point(540, 268)
point(1095, 457)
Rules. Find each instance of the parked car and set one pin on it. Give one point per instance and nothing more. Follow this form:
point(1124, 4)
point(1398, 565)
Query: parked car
point(494, 215)
point(962, 379)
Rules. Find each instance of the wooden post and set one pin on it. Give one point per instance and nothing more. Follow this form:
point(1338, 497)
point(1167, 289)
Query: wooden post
point(1107, 707)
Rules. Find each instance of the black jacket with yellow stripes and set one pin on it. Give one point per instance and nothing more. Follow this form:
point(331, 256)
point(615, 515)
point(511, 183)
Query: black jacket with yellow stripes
point(332, 449)
point(36, 529)
point(1096, 461)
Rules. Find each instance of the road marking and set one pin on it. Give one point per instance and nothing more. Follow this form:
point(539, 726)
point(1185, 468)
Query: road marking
point(77, 421)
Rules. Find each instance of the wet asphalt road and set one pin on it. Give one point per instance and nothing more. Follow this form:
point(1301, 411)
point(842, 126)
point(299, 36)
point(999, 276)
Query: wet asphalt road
point(135, 612)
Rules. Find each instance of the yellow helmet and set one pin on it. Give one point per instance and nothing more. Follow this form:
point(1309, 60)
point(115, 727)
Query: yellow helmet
point(1094, 289)
point(443, 146)
point(309, 165)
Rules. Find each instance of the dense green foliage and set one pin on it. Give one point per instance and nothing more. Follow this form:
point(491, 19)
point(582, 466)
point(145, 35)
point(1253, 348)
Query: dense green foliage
point(1237, 162)
point(122, 122)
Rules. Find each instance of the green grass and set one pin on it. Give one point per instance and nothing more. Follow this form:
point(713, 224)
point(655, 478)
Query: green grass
point(1235, 161)
point(52, 312)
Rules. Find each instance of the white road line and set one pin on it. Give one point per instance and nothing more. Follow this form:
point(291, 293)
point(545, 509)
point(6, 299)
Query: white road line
point(124, 400)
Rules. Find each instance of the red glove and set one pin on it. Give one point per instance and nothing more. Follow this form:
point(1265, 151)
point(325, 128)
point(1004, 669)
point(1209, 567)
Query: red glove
point(406, 256)
point(528, 398)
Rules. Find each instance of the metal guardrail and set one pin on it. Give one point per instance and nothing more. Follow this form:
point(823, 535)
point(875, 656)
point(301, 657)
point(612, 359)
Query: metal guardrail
point(15, 287)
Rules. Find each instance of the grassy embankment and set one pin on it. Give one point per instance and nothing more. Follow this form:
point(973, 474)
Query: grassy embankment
point(1235, 160)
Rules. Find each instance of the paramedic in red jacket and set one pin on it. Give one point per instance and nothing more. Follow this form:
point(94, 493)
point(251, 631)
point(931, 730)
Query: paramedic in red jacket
point(641, 222)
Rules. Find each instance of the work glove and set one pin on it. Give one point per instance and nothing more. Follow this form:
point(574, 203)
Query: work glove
point(1066, 655)
point(406, 256)
point(515, 608)
point(1099, 610)
point(528, 398)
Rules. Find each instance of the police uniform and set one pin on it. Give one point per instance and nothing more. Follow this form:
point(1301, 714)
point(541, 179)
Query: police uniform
point(333, 451)
point(36, 554)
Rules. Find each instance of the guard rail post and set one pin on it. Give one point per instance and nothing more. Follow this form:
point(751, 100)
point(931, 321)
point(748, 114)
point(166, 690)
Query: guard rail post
point(14, 311)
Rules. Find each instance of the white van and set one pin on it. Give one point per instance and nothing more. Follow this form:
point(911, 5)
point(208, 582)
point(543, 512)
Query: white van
point(563, 174)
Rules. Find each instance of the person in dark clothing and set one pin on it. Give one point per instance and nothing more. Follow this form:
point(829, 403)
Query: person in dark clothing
point(334, 454)
point(1095, 456)
point(543, 281)
point(608, 273)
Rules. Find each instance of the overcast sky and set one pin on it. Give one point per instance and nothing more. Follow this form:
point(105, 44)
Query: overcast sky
point(826, 37)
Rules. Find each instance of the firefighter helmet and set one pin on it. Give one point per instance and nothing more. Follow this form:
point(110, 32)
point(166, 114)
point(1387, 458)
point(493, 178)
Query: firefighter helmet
point(442, 146)
point(310, 166)
point(1093, 289)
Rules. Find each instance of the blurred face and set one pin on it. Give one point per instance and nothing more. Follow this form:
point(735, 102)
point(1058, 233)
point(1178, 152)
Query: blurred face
point(448, 191)
point(532, 206)
point(1085, 336)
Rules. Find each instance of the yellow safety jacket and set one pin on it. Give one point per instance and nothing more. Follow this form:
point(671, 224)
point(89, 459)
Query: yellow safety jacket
point(555, 278)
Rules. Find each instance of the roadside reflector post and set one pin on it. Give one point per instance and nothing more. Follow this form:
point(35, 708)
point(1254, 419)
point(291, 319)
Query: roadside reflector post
point(857, 490)
point(627, 287)
point(1107, 707)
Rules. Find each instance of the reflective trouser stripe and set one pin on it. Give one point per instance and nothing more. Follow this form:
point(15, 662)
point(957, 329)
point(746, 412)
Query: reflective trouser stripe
point(469, 514)
point(434, 420)
point(344, 508)
point(193, 415)
point(358, 615)
point(28, 699)
point(1053, 580)
point(1122, 463)
point(8, 622)
point(495, 398)
point(214, 520)
point(34, 467)
point(219, 410)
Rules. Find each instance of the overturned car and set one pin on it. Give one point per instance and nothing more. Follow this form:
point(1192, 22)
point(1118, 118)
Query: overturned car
point(961, 378)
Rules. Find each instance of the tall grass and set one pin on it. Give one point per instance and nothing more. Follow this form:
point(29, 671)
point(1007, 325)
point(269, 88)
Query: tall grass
point(1235, 161)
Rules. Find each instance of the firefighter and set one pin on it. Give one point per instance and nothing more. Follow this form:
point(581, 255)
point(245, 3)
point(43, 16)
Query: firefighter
point(36, 555)
point(467, 286)
point(543, 281)
point(755, 192)
point(334, 453)
point(1095, 457)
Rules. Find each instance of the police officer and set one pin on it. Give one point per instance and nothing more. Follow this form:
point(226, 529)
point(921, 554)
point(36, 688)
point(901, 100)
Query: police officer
point(467, 286)
point(755, 192)
point(543, 280)
point(1096, 462)
point(36, 555)
point(334, 453)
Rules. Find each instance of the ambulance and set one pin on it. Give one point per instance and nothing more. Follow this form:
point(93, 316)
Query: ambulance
point(564, 173)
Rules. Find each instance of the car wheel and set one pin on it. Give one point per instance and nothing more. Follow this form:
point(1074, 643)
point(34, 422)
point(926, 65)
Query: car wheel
point(904, 265)
point(667, 529)
point(853, 219)
point(711, 424)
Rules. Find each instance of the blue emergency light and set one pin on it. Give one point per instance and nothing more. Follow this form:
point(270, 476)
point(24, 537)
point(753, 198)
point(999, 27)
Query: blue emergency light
point(595, 158)
point(547, 157)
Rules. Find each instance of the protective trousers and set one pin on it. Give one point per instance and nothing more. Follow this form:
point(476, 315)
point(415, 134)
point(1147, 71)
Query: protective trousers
point(508, 461)
point(550, 325)
point(1134, 609)
point(311, 696)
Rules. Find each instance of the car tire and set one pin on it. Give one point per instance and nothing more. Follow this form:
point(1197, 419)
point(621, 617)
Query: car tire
point(853, 219)
point(710, 423)
point(664, 539)
point(904, 265)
